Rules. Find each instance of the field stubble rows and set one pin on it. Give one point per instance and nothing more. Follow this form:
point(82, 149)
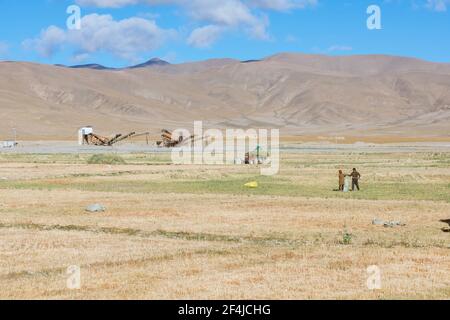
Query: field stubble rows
point(180, 232)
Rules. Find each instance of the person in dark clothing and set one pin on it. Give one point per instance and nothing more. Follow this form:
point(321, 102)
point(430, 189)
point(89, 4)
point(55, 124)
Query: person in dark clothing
point(341, 180)
point(247, 158)
point(355, 179)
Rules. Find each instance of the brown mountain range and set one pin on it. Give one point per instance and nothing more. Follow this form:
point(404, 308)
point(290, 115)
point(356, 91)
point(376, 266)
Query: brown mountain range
point(301, 94)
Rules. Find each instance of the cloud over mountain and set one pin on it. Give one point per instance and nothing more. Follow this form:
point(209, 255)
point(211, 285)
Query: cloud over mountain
point(127, 38)
point(218, 16)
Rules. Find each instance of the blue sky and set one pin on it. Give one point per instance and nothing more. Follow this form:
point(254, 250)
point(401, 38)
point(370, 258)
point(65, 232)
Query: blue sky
point(122, 32)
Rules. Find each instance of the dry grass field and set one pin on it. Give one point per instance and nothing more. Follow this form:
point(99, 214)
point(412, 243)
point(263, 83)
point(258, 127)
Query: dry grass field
point(195, 232)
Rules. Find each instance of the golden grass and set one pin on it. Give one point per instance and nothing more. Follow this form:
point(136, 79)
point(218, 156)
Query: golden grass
point(159, 239)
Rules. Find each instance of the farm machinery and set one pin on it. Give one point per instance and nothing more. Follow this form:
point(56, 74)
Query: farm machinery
point(168, 140)
point(97, 140)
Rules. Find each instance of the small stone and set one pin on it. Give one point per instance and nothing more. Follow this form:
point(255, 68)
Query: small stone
point(95, 208)
point(387, 224)
point(392, 224)
point(378, 222)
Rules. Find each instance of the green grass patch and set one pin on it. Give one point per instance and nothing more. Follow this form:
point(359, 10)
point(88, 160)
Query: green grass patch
point(268, 186)
point(106, 159)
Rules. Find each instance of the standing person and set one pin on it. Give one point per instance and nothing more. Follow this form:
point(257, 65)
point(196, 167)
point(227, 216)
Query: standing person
point(341, 180)
point(355, 179)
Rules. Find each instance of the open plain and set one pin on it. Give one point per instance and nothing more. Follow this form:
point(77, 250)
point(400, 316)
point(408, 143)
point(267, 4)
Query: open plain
point(195, 232)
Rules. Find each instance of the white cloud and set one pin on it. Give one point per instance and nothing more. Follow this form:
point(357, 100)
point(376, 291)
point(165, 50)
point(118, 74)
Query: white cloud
point(101, 33)
point(81, 57)
point(267, 4)
point(205, 36)
point(339, 48)
point(49, 41)
point(218, 15)
point(282, 5)
point(228, 14)
point(438, 5)
point(108, 3)
point(225, 12)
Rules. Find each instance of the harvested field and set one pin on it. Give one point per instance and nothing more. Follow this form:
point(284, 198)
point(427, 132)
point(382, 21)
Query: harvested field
point(195, 232)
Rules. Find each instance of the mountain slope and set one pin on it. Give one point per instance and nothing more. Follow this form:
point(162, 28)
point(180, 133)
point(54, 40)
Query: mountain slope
point(301, 94)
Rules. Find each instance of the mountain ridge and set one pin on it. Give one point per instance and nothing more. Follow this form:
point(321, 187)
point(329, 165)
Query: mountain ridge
point(96, 66)
point(300, 94)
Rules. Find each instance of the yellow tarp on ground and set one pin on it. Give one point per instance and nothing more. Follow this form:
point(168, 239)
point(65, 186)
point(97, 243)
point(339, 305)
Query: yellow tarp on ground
point(253, 184)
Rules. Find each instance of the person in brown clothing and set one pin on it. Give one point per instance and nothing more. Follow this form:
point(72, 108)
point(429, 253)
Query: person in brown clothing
point(341, 180)
point(355, 179)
